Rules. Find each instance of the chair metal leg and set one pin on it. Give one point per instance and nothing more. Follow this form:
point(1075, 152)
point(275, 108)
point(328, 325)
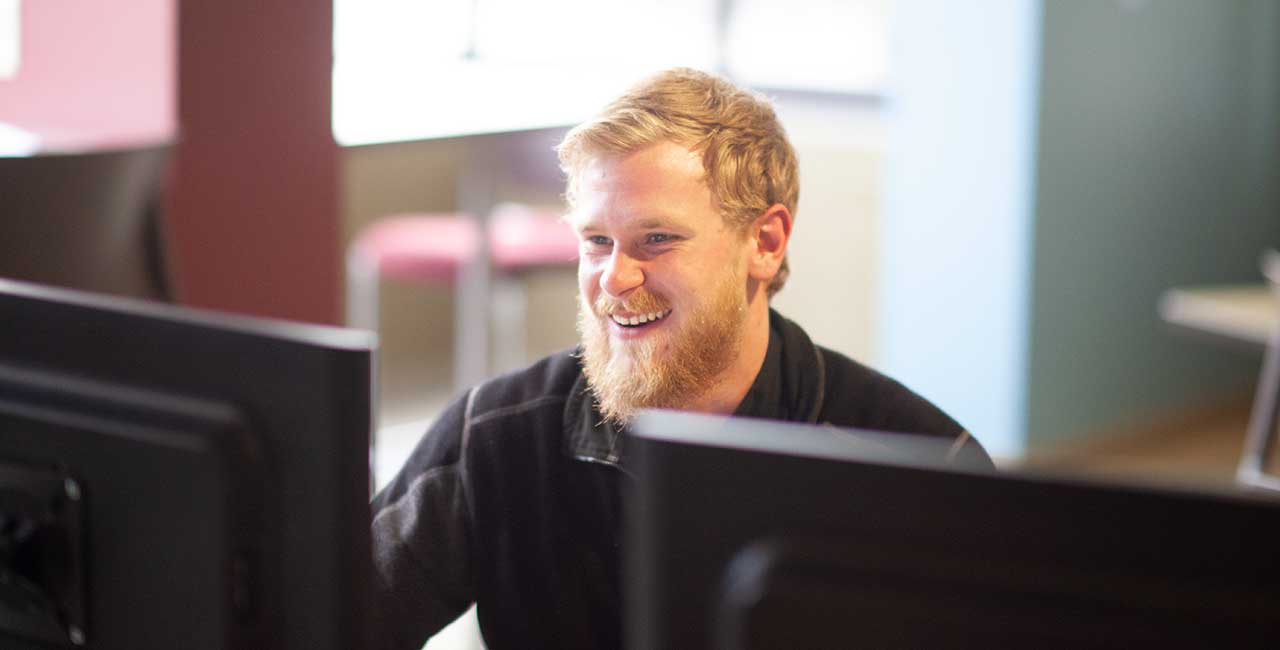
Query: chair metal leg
point(1260, 438)
point(362, 312)
point(362, 291)
point(471, 325)
point(510, 323)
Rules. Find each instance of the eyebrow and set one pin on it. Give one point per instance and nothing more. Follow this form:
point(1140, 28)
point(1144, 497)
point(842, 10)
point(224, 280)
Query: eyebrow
point(645, 223)
point(656, 222)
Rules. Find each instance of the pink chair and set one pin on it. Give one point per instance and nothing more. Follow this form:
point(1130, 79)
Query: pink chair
point(446, 248)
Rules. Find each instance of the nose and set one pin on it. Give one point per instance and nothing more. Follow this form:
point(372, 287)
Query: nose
point(621, 275)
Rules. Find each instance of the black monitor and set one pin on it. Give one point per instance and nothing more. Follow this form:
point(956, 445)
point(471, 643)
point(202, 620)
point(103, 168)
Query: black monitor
point(91, 221)
point(753, 534)
point(179, 479)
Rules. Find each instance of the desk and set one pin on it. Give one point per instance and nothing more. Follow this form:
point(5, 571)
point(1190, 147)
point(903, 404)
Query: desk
point(1247, 314)
point(1243, 313)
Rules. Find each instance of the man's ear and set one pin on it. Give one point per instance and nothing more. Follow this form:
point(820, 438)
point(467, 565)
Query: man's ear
point(769, 234)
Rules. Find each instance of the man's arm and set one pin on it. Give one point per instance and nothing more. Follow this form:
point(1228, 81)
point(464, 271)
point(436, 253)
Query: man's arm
point(421, 552)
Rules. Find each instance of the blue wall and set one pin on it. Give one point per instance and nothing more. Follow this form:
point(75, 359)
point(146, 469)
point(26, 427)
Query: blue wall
point(955, 234)
point(1052, 167)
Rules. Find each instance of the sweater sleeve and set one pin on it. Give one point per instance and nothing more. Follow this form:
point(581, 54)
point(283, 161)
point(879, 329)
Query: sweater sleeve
point(422, 563)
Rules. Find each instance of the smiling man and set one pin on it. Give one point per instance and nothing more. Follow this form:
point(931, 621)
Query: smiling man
point(683, 192)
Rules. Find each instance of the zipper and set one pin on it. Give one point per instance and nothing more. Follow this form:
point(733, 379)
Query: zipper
point(607, 462)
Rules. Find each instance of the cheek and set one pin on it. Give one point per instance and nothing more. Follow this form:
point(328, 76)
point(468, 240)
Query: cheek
point(588, 280)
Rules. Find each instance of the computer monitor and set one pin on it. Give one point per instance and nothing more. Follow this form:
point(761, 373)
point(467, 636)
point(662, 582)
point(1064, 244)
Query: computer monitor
point(91, 221)
point(754, 534)
point(179, 479)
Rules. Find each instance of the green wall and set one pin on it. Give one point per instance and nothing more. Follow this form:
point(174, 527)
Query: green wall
point(1157, 166)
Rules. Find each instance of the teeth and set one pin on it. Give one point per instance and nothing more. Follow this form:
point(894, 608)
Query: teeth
point(643, 318)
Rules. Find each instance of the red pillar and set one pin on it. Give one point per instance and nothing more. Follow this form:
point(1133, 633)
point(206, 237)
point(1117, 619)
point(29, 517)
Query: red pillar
point(253, 206)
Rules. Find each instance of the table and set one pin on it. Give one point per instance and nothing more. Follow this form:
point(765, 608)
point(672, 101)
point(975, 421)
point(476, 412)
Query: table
point(1244, 313)
point(1249, 314)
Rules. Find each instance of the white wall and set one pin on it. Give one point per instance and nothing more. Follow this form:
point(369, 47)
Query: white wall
point(831, 292)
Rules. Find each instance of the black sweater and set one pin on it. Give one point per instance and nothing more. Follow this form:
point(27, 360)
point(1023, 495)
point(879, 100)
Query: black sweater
point(512, 499)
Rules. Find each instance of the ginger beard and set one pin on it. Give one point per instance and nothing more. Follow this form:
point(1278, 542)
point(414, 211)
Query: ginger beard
point(666, 369)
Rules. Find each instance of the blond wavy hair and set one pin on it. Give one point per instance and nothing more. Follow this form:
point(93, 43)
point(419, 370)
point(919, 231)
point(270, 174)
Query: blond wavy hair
point(750, 165)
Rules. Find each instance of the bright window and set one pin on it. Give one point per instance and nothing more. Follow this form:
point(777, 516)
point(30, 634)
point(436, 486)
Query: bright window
point(413, 69)
point(837, 46)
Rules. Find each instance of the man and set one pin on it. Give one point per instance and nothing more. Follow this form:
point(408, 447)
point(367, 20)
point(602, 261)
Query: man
point(683, 192)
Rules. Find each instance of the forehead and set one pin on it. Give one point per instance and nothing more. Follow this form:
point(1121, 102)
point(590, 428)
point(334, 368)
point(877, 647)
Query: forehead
point(663, 180)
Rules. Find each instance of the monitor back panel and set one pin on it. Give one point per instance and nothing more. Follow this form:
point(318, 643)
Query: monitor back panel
point(195, 429)
point(731, 545)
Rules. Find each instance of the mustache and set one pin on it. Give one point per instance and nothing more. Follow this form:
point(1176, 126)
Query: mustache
point(640, 301)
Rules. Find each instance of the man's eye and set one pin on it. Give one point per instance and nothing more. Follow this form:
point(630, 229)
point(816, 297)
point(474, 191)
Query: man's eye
point(659, 238)
point(598, 241)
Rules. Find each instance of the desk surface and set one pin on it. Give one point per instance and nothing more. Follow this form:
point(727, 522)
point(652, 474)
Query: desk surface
point(1246, 313)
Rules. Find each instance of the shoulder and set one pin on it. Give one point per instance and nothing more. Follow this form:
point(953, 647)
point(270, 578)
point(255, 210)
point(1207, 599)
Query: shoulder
point(540, 389)
point(861, 397)
point(844, 393)
point(545, 383)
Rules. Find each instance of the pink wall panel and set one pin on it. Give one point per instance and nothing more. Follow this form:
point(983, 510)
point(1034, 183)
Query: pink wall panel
point(243, 89)
point(94, 74)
